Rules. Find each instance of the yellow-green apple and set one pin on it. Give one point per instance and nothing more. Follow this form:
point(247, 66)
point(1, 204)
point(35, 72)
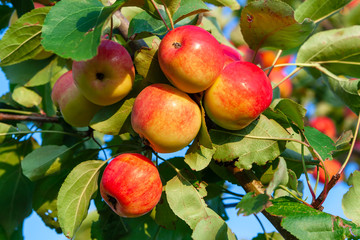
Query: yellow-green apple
point(286, 86)
point(191, 58)
point(131, 185)
point(325, 125)
point(332, 166)
point(108, 77)
point(165, 117)
point(230, 54)
point(75, 108)
point(239, 95)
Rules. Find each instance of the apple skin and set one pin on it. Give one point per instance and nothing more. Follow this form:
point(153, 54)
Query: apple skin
point(332, 166)
point(75, 108)
point(106, 78)
point(238, 96)
point(131, 185)
point(230, 54)
point(191, 58)
point(325, 125)
point(285, 87)
point(167, 118)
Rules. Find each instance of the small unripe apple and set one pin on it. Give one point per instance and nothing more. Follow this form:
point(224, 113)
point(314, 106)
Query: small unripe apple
point(332, 166)
point(131, 185)
point(167, 118)
point(108, 77)
point(75, 108)
point(191, 58)
point(286, 86)
point(325, 125)
point(238, 96)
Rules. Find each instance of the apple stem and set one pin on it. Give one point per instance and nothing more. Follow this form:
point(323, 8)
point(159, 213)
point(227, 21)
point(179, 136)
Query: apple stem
point(169, 15)
point(158, 11)
point(274, 62)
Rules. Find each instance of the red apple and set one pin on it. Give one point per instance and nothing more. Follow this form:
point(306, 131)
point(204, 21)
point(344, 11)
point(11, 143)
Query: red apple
point(108, 77)
point(230, 54)
point(75, 108)
point(325, 125)
point(131, 185)
point(238, 96)
point(285, 87)
point(191, 58)
point(166, 117)
point(332, 166)
point(267, 58)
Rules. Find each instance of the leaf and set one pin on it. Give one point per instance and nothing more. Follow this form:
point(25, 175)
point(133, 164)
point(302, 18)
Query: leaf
point(320, 142)
point(343, 142)
point(75, 32)
point(292, 110)
point(314, 224)
point(318, 10)
point(5, 13)
point(75, 194)
point(22, 41)
point(110, 119)
point(145, 22)
point(337, 47)
point(269, 236)
point(185, 201)
point(280, 177)
point(350, 201)
point(23, 6)
point(26, 97)
point(198, 157)
point(85, 228)
point(43, 161)
point(188, 8)
point(6, 128)
point(251, 204)
point(203, 135)
point(164, 216)
point(233, 4)
point(210, 227)
point(271, 23)
point(248, 145)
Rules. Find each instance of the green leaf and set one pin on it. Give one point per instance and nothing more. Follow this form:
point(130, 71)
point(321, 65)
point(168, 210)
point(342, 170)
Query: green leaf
point(271, 23)
point(75, 194)
point(251, 204)
point(343, 143)
point(210, 227)
point(85, 228)
point(5, 13)
point(164, 216)
point(44, 161)
point(198, 157)
point(15, 188)
point(350, 201)
point(75, 32)
point(188, 8)
point(334, 49)
point(6, 128)
point(320, 142)
point(318, 10)
point(294, 161)
point(145, 22)
point(292, 110)
point(26, 97)
point(269, 236)
point(110, 119)
point(280, 177)
point(233, 4)
point(248, 145)
point(314, 224)
point(22, 41)
point(203, 135)
point(185, 201)
point(23, 6)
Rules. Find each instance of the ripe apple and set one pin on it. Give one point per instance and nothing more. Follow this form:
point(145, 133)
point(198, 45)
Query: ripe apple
point(191, 58)
point(285, 87)
point(131, 185)
point(230, 54)
point(325, 125)
point(167, 118)
point(75, 108)
point(108, 77)
point(332, 166)
point(238, 96)
point(267, 58)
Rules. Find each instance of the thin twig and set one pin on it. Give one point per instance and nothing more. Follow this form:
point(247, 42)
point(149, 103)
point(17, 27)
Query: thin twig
point(30, 118)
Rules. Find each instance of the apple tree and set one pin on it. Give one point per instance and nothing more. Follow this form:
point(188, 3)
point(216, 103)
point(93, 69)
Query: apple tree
point(94, 83)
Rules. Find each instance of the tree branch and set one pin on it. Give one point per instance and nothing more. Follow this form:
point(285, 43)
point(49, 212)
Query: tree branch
point(250, 183)
point(30, 118)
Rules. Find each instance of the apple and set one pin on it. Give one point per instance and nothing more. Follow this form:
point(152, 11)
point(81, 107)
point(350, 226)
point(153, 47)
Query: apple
point(165, 117)
point(238, 96)
point(267, 58)
point(230, 54)
point(332, 166)
point(191, 58)
point(285, 87)
point(75, 108)
point(108, 77)
point(325, 125)
point(131, 185)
